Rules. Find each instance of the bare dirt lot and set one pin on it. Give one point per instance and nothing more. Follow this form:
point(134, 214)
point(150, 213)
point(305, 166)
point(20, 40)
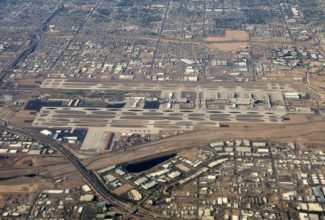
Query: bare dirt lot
point(24, 184)
point(323, 46)
point(123, 189)
point(22, 118)
point(31, 160)
point(8, 199)
point(190, 154)
point(227, 47)
point(230, 35)
point(231, 41)
point(29, 82)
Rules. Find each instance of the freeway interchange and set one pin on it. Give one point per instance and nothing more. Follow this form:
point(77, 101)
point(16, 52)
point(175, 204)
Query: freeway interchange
point(189, 140)
point(90, 178)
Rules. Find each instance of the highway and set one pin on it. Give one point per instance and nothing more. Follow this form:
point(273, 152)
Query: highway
point(89, 176)
point(32, 45)
point(33, 42)
point(160, 37)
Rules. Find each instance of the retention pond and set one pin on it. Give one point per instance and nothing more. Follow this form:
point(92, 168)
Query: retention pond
point(141, 166)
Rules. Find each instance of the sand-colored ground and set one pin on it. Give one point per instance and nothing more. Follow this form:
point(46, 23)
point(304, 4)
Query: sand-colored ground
point(190, 154)
point(59, 171)
point(227, 47)
point(12, 199)
point(24, 184)
point(22, 118)
point(317, 86)
point(316, 63)
point(230, 35)
point(32, 187)
point(122, 189)
point(23, 114)
point(29, 82)
point(72, 180)
point(322, 46)
point(46, 178)
point(231, 41)
point(37, 160)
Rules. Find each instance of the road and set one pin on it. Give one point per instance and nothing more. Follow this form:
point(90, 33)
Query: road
point(160, 37)
point(33, 42)
point(311, 129)
point(276, 176)
point(90, 178)
point(75, 34)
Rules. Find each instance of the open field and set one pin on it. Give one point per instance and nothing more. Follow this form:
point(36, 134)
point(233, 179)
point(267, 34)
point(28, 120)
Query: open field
point(37, 161)
point(22, 118)
point(190, 154)
point(123, 189)
point(227, 47)
point(232, 41)
point(24, 185)
point(323, 46)
point(230, 35)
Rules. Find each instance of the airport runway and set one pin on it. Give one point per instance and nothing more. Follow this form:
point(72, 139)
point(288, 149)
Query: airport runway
point(146, 120)
point(213, 105)
point(81, 84)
